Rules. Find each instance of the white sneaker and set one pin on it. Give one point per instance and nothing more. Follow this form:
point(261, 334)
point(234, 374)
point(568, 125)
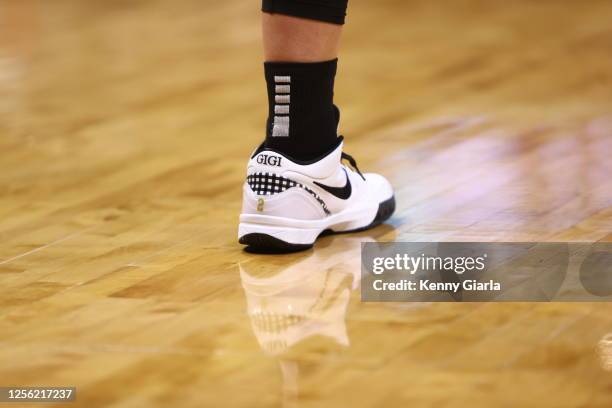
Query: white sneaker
point(287, 204)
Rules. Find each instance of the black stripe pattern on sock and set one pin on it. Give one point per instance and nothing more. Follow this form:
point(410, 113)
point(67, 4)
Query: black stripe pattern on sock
point(267, 184)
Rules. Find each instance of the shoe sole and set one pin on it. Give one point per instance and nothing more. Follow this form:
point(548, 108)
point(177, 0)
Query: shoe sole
point(261, 242)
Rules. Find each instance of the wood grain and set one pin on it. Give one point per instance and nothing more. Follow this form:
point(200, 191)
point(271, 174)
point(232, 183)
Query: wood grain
point(124, 132)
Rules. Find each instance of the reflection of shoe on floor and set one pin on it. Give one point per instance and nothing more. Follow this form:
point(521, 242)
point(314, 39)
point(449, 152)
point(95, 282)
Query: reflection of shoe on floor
point(308, 298)
point(287, 204)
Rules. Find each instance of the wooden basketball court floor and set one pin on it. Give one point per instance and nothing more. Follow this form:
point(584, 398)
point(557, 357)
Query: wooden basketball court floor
point(124, 132)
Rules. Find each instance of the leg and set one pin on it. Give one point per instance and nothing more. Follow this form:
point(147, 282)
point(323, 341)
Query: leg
point(300, 48)
point(296, 185)
point(291, 39)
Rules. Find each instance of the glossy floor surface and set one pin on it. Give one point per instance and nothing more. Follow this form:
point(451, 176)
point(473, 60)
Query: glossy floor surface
point(124, 133)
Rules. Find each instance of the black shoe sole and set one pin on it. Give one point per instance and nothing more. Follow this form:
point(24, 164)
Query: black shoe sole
point(267, 244)
point(385, 211)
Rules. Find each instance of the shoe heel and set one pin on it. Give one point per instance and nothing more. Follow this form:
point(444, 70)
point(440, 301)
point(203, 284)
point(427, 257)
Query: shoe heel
point(269, 233)
point(264, 243)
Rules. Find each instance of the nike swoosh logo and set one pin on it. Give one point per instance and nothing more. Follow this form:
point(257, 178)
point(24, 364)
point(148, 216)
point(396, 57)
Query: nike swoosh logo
point(341, 192)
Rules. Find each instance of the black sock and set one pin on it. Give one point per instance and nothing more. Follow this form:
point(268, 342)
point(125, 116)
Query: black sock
point(302, 119)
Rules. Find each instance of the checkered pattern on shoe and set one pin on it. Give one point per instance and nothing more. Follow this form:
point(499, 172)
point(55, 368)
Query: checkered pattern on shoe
point(270, 184)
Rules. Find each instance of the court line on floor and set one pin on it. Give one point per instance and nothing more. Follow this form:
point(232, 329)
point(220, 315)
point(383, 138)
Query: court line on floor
point(50, 244)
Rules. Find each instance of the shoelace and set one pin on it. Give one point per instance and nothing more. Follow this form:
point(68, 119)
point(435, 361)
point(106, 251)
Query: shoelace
point(352, 162)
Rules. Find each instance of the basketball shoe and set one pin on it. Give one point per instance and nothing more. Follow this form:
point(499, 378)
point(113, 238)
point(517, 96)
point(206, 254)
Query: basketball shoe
point(287, 203)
